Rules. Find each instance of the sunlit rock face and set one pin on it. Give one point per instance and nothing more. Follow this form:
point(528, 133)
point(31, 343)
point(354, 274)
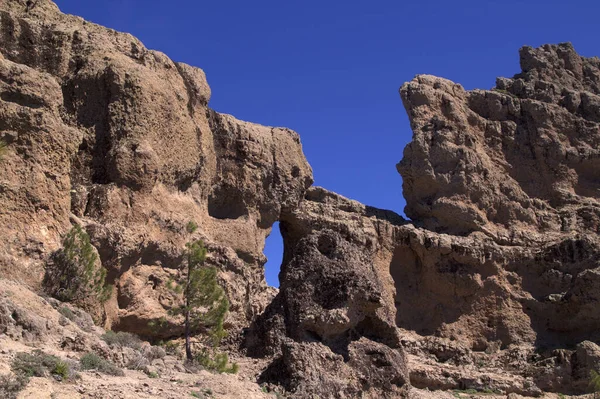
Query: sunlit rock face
point(518, 163)
point(106, 133)
point(494, 282)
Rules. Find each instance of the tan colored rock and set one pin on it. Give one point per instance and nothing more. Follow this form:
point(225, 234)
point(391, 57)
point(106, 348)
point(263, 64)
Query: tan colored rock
point(106, 133)
point(479, 309)
point(516, 162)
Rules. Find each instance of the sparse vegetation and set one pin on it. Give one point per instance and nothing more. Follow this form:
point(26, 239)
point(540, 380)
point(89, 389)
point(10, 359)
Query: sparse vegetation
point(61, 369)
point(122, 339)
point(137, 362)
point(91, 361)
point(191, 227)
point(172, 348)
point(40, 364)
point(154, 352)
point(595, 383)
point(152, 374)
point(3, 149)
point(457, 393)
point(68, 313)
point(11, 385)
point(72, 274)
point(211, 359)
point(504, 92)
point(161, 323)
point(77, 316)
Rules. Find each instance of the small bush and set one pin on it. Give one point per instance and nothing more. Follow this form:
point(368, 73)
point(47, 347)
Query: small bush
point(61, 369)
point(82, 319)
point(139, 362)
point(68, 313)
point(3, 149)
point(40, 364)
point(91, 361)
point(154, 352)
point(11, 385)
point(72, 275)
point(216, 361)
point(145, 357)
point(595, 383)
point(191, 227)
point(152, 374)
point(122, 339)
point(172, 348)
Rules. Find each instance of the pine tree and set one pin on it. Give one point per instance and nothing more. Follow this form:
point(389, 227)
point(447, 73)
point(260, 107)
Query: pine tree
point(72, 275)
point(205, 303)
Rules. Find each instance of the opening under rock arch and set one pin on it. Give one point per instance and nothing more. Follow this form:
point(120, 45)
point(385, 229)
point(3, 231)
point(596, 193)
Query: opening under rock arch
point(274, 253)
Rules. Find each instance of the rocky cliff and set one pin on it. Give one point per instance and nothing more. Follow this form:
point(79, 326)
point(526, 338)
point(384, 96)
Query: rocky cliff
point(119, 138)
point(494, 283)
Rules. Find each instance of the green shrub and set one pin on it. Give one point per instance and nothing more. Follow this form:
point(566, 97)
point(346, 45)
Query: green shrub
point(39, 364)
point(595, 383)
point(61, 369)
point(172, 347)
point(216, 361)
point(11, 385)
point(29, 365)
point(152, 374)
point(91, 361)
point(191, 227)
point(72, 275)
point(68, 313)
point(3, 149)
point(122, 339)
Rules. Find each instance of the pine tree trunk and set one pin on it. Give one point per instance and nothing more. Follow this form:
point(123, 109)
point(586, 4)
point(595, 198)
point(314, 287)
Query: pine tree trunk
point(188, 346)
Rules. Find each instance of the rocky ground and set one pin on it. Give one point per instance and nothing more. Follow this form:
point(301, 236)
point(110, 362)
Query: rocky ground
point(29, 322)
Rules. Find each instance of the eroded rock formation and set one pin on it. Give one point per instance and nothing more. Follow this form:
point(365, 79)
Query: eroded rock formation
point(493, 284)
point(120, 138)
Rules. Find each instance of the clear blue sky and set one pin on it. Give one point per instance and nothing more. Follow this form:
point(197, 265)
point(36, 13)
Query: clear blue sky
point(331, 69)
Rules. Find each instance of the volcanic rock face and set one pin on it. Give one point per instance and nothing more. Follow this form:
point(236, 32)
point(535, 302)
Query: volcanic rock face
point(119, 138)
point(518, 163)
point(494, 284)
point(332, 325)
point(504, 263)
